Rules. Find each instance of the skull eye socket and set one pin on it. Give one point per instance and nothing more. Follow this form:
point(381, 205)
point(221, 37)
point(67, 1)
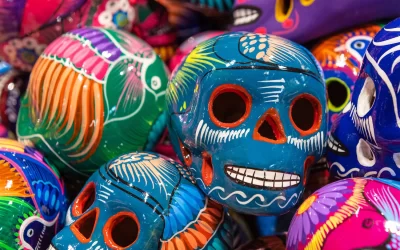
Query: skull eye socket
point(121, 230)
point(84, 200)
point(229, 105)
point(338, 94)
point(306, 114)
point(365, 155)
point(366, 98)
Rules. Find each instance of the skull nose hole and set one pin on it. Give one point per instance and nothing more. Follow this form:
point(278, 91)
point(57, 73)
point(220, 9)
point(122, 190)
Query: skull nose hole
point(306, 114)
point(83, 228)
point(121, 230)
point(338, 94)
point(366, 98)
point(269, 128)
point(207, 171)
point(365, 155)
point(84, 200)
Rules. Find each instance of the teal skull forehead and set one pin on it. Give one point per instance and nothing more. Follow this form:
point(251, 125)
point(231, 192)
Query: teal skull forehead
point(237, 50)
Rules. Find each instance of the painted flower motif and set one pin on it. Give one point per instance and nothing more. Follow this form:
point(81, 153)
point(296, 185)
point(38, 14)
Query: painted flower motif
point(119, 14)
point(23, 53)
point(320, 207)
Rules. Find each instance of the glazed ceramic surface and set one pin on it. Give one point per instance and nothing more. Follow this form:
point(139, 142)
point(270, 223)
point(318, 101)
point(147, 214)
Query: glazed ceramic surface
point(144, 201)
point(364, 139)
point(186, 47)
point(358, 213)
point(13, 85)
point(305, 20)
point(94, 94)
point(340, 57)
point(32, 199)
point(251, 122)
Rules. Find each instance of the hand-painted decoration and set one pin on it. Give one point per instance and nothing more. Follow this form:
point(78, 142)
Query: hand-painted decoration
point(32, 199)
point(340, 57)
point(358, 213)
point(144, 201)
point(364, 140)
point(153, 26)
point(305, 20)
point(248, 117)
point(186, 47)
point(94, 94)
point(12, 87)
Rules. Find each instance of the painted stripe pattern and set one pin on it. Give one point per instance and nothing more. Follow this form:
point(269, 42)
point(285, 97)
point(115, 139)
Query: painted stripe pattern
point(272, 90)
point(314, 143)
point(206, 135)
point(364, 126)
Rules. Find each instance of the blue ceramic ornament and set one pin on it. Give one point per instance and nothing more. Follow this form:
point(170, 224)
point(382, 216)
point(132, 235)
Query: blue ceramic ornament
point(248, 118)
point(364, 140)
point(144, 201)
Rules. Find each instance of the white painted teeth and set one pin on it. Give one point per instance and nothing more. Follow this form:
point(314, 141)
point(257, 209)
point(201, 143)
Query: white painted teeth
point(262, 178)
point(335, 145)
point(244, 16)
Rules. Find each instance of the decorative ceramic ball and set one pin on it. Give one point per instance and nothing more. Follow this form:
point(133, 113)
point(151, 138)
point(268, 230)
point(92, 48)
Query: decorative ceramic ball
point(145, 201)
point(94, 94)
point(32, 199)
point(358, 213)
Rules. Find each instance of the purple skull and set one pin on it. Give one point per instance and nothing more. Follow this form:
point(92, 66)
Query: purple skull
point(305, 20)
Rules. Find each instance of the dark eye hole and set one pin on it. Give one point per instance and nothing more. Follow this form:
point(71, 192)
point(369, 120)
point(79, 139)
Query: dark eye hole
point(84, 200)
point(306, 114)
point(121, 230)
point(283, 9)
point(229, 105)
point(338, 94)
point(366, 98)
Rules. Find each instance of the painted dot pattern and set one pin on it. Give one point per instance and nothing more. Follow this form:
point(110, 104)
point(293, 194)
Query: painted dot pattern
point(276, 50)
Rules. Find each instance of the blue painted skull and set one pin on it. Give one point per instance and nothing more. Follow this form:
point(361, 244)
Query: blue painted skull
point(248, 118)
point(365, 139)
point(144, 201)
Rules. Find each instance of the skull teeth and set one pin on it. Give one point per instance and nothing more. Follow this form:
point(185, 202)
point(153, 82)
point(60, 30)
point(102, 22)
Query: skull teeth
point(336, 146)
point(244, 16)
point(262, 178)
point(51, 248)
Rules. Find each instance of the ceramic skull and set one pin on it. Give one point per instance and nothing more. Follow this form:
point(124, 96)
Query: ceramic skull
point(371, 117)
point(340, 57)
point(144, 201)
point(247, 115)
point(305, 20)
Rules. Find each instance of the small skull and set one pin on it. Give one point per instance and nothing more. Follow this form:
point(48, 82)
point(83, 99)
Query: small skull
point(248, 117)
point(364, 140)
point(144, 201)
point(340, 57)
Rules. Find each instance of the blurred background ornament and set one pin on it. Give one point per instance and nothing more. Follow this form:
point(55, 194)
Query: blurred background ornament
point(305, 20)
